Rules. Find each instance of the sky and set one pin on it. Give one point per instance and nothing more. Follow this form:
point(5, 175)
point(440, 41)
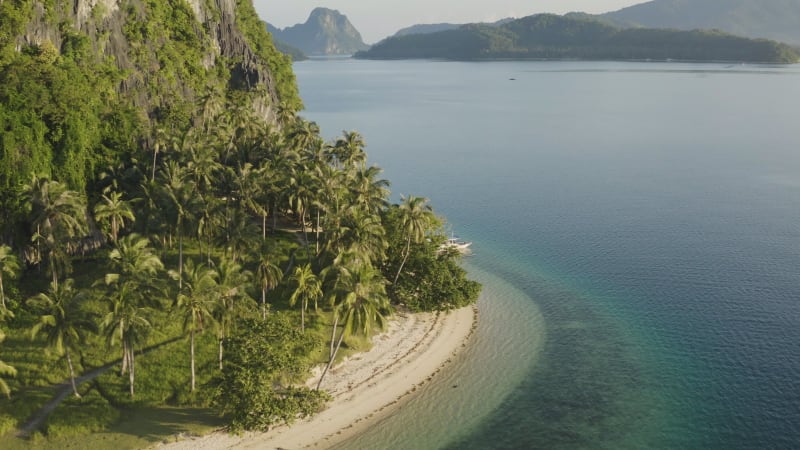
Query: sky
point(377, 19)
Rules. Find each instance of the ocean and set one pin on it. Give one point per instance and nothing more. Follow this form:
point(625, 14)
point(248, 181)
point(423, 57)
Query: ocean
point(636, 227)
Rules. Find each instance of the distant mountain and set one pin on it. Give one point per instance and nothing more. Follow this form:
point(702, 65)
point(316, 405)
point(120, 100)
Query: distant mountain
point(286, 49)
point(547, 36)
point(427, 28)
point(326, 32)
point(771, 19)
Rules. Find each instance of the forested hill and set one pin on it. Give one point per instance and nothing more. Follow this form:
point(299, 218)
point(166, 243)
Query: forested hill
point(85, 84)
point(771, 19)
point(547, 36)
point(326, 32)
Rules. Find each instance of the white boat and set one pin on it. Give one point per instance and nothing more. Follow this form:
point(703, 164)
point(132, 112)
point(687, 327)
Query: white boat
point(454, 243)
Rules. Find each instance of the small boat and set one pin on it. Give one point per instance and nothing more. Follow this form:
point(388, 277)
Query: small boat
point(454, 243)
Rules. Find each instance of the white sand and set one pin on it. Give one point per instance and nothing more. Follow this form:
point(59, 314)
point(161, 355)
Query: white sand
point(413, 349)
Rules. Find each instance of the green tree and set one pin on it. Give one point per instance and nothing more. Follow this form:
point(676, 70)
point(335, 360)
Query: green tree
point(417, 218)
point(178, 189)
point(348, 150)
point(195, 302)
point(233, 300)
point(115, 210)
point(251, 186)
point(63, 323)
point(133, 290)
point(9, 265)
point(369, 191)
point(249, 390)
point(268, 274)
point(307, 288)
point(5, 371)
point(58, 215)
point(359, 304)
point(302, 195)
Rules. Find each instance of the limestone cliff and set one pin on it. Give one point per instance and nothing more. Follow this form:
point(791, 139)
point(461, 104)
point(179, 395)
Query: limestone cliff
point(326, 32)
point(136, 34)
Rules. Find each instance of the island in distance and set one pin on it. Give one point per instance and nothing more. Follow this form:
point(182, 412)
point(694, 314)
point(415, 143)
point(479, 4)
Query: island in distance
point(326, 32)
point(549, 36)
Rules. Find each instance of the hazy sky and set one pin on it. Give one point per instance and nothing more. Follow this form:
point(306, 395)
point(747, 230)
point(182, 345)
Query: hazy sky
point(377, 19)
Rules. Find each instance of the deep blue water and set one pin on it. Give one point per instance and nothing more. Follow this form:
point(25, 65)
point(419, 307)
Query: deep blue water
point(637, 227)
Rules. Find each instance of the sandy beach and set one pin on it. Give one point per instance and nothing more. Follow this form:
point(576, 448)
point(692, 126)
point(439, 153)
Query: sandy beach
point(366, 386)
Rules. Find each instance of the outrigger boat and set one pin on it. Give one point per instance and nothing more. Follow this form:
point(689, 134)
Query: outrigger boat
point(454, 243)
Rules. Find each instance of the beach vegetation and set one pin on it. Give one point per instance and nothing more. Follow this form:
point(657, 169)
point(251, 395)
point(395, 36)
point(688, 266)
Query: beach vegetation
point(249, 389)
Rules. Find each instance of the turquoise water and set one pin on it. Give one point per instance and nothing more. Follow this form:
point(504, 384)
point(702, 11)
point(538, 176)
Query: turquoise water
point(637, 229)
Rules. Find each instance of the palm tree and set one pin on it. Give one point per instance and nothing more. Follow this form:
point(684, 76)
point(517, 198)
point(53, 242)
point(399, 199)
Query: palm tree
point(241, 234)
point(115, 210)
point(9, 265)
point(332, 194)
point(5, 370)
point(195, 302)
point(251, 186)
point(308, 288)
point(62, 321)
point(211, 103)
point(177, 190)
point(417, 217)
point(58, 215)
point(232, 301)
point(349, 150)
point(268, 273)
point(301, 197)
point(368, 190)
point(132, 290)
point(359, 300)
point(364, 234)
point(304, 135)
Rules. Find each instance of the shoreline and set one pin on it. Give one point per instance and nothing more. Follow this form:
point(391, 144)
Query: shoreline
point(365, 387)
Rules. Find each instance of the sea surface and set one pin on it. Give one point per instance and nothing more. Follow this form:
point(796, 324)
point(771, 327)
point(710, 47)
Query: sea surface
point(636, 227)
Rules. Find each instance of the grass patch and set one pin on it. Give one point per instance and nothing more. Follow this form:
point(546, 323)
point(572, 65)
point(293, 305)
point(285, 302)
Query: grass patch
point(135, 429)
point(81, 416)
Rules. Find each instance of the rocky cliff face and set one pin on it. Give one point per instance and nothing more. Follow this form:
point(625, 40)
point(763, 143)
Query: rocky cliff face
point(326, 32)
point(126, 32)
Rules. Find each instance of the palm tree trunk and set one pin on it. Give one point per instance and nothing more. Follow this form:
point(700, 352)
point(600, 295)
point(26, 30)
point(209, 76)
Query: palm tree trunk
point(2, 292)
point(124, 348)
point(405, 257)
point(180, 259)
point(53, 269)
point(264, 225)
point(71, 374)
point(264, 302)
point(333, 352)
point(130, 370)
point(221, 340)
point(316, 230)
point(303, 316)
point(155, 154)
point(305, 234)
point(191, 338)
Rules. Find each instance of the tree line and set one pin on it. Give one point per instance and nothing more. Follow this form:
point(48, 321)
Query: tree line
point(221, 188)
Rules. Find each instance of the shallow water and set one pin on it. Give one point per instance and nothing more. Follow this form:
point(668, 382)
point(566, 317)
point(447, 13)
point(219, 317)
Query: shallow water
point(637, 228)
